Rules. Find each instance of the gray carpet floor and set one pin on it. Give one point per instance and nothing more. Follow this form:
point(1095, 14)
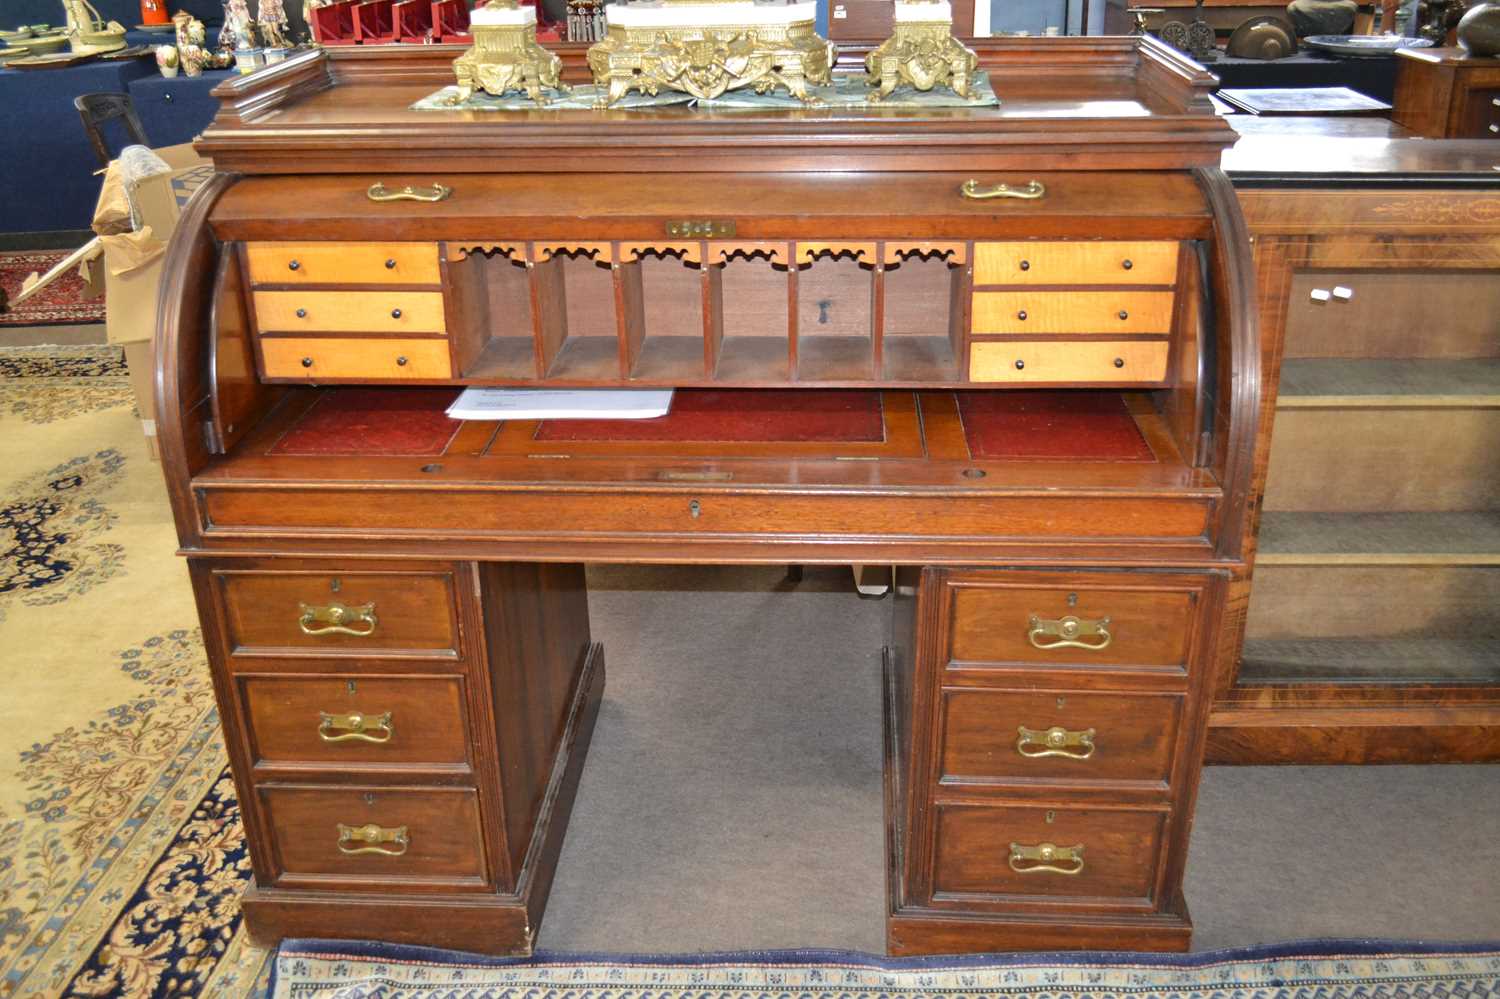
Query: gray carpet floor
point(732, 796)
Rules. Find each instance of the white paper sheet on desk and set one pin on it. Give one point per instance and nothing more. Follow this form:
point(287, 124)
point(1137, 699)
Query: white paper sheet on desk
point(560, 404)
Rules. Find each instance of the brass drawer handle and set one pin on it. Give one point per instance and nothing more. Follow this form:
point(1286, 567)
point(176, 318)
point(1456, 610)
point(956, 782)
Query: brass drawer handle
point(1070, 633)
point(373, 839)
point(437, 192)
point(1046, 858)
point(1029, 191)
point(355, 725)
point(336, 619)
point(1055, 741)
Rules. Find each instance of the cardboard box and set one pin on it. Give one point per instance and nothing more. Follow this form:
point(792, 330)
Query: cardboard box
point(133, 260)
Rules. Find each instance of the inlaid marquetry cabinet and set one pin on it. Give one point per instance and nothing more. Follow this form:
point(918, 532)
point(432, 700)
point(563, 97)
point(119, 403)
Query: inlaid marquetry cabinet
point(1372, 628)
point(1042, 408)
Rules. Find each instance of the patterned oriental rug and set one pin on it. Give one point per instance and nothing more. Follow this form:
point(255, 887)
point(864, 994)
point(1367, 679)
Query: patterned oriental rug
point(121, 855)
point(63, 301)
point(1330, 969)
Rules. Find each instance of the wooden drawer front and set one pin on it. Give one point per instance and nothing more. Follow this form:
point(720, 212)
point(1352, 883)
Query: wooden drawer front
point(1075, 263)
point(320, 359)
point(997, 622)
point(442, 843)
point(586, 517)
point(374, 311)
point(975, 851)
point(272, 611)
point(1069, 736)
point(1142, 361)
point(343, 263)
point(1030, 313)
point(1387, 313)
point(360, 721)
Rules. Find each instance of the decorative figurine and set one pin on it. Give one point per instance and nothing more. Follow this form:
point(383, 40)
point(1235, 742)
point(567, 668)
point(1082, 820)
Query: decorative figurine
point(585, 20)
point(505, 55)
point(1437, 18)
point(707, 47)
point(921, 52)
point(274, 25)
point(238, 31)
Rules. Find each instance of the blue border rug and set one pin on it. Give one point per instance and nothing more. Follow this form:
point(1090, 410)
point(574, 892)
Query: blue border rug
point(1316, 969)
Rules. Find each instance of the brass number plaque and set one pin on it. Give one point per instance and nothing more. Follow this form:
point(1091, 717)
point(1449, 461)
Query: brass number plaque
point(700, 228)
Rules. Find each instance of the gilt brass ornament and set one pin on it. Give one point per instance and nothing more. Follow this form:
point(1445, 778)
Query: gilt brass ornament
point(706, 47)
point(921, 53)
point(505, 56)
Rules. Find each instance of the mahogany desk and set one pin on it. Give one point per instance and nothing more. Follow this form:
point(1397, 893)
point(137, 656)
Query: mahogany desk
point(395, 614)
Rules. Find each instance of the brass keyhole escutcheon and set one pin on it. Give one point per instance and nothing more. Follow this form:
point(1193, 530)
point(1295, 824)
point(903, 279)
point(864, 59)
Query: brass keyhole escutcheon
point(694, 509)
point(1072, 600)
point(335, 584)
point(369, 798)
point(351, 687)
point(1051, 816)
point(1062, 702)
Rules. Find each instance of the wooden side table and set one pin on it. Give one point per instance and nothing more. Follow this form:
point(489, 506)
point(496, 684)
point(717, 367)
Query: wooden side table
point(1447, 94)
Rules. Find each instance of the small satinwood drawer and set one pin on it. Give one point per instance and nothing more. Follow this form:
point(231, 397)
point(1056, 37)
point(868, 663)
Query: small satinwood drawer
point(373, 837)
point(1031, 313)
point(1143, 361)
point(375, 311)
point(1075, 263)
point(1003, 736)
point(320, 359)
point(351, 613)
point(1090, 622)
point(1106, 853)
point(343, 263)
point(361, 721)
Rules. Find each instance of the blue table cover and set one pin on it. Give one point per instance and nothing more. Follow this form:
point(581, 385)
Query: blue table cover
point(1374, 77)
point(47, 166)
point(175, 110)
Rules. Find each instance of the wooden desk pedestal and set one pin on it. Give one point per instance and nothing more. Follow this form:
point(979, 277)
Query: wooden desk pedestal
point(1042, 410)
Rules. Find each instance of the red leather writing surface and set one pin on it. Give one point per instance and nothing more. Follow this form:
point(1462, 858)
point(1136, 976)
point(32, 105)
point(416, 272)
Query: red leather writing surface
point(1062, 426)
point(355, 421)
point(741, 416)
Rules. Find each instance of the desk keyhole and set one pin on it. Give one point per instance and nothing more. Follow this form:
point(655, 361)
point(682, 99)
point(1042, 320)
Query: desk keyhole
point(694, 509)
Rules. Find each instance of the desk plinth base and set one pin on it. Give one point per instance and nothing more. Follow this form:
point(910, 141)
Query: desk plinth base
point(913, 931)
point(487, 924)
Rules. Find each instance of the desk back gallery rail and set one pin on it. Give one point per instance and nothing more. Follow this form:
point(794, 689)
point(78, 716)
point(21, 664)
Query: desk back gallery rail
point(1042, 409)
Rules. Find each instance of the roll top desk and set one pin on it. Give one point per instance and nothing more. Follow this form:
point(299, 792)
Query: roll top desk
point(1041, 409)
